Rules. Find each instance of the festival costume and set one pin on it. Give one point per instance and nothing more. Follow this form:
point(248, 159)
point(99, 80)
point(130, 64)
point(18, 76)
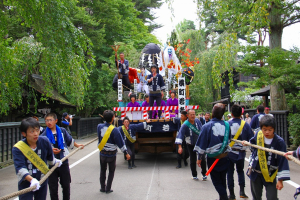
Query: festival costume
point(129, 139)
point(145, 104)
point(143, 85)
point(173, 102)
point(237, 155)
point(273, 163)
point(65, 124)
point(156, 86)
point(124, 70)
point(203, 121)
point(210, 142)
point(61, 140)
point(24, 167)
point(155, 112)
point(190, 137)
point(185, 154)
point(108, 153)
point(254, 124)
point(135, 104)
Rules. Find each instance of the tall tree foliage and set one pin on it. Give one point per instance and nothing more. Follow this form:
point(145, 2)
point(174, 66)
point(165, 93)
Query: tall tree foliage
point(48, 44)
point(250, 16)
point(145, 7)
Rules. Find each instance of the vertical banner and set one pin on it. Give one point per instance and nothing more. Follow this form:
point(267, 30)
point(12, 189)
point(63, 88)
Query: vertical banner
point(167, 89)
point(135, 87)
point(119, 89)
point(181, 94)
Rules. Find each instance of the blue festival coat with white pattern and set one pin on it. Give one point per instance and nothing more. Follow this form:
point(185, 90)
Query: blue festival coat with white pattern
point(157, 84)
point(133, 128)
point(246, 134)
point(115, 139)
point(24, 167)
point(68, 143)
point(274, 161)
point(254, 124)
point(185, 133)
point(210, 141)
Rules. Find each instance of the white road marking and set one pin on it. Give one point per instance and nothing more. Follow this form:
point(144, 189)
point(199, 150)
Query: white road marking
point(292, 183)
point(149, 189)
point(82, 159)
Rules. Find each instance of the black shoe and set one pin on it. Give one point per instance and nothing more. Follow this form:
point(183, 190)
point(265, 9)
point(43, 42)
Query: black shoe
point(178, 166)
point(243, 194)
point(102, 190)
point(231, 197)
point(129, 167)
point(134, 166)
point(185, 163)
point(109, 191)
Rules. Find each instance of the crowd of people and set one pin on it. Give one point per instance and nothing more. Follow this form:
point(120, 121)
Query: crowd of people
point(206, 141)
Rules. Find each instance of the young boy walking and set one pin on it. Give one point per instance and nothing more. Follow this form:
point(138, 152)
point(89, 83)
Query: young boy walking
point(61, 140)
point(31, 156)
point(264, 166)
point(109, 138)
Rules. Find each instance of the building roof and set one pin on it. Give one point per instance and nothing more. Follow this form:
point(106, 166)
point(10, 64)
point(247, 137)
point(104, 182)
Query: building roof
point(38, 84)
point(262, 92)
point(224, 101)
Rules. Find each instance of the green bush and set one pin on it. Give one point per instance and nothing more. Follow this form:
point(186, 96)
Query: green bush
point(294, 128)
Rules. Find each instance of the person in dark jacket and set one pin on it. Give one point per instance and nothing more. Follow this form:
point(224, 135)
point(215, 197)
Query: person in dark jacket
point(156, 88)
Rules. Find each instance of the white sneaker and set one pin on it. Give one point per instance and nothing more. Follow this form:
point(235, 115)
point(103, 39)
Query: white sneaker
point(195, 178)
point(204, 178)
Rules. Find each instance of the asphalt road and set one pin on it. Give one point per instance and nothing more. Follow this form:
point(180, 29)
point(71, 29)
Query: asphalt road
point(154, 178)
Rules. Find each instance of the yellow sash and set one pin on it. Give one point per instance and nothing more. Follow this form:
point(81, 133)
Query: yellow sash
point(238, 133)
point(105, 137)
point(263, 160)
point(128, 135)
point(32, 156)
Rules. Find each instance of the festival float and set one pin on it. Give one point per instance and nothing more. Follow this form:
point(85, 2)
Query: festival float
point(160, 134)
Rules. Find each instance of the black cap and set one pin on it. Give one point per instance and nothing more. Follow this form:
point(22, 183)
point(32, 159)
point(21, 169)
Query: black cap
point(64, 114)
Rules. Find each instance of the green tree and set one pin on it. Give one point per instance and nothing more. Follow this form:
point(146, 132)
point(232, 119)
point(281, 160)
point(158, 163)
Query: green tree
point(48, 44)
point(145, 7)
point(185, 25)
point(248, 17)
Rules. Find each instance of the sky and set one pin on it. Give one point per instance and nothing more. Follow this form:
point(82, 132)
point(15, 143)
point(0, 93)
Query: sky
point(187, 9)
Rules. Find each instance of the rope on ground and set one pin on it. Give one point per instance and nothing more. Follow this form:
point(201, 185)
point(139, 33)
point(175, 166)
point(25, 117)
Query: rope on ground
point(292, 158)
point(29, 189)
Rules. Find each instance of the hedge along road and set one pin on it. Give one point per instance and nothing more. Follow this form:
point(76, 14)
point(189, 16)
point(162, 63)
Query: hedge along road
point(154, 178)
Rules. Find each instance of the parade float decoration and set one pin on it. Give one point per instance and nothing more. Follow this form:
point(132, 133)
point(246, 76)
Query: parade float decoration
point(160, 134)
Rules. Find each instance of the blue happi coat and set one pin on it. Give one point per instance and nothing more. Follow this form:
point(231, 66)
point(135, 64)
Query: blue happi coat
point(157, 84)
point(254, 124)
point(246, 134)
point(124, 68)
point(24, 167)
point(186, 134)
point(68, 143)
point(114, 141)
point(274, 161)
point(210, 141)
point(133, 128)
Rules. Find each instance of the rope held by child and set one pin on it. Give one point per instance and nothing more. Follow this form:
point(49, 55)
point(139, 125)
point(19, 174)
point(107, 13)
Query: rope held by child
point(29, 189)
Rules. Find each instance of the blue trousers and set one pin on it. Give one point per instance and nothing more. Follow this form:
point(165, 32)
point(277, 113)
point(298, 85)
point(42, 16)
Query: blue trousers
point(40, 194)
point(240, 171)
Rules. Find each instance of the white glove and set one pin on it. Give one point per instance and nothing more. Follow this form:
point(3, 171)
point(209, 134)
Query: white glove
point(36, 183)
point(59, 162)
point(71, 116)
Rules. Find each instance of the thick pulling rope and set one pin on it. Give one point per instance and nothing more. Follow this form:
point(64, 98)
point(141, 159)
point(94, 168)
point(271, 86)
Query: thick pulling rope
point(29, 189)
point(292, 158)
